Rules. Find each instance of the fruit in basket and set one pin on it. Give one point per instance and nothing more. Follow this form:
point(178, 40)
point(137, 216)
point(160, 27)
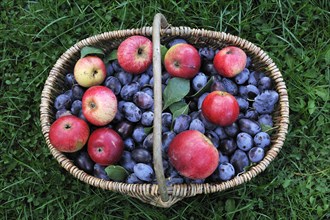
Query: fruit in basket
point(176, 41)
point(226, 171)
point(63, 101)
point(217, 110)
point(206, 53)
point(244, 141)
point(143, 172)
point(230, 61)
point(249, 126)
point(256, 154)
point(220, 108)
point(89, 71)
point(69, 133)
point(84, 162)
point(105, 146)
point(262, 139)
point(193, 155)
point(199, 81)
point(99, 105)
point(239, 160)
point(99, 172)
point(135, 54)
point(182, 60)
point(265, 102)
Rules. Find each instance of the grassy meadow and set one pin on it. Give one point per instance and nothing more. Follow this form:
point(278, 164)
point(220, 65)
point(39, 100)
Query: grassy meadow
point(296, 35)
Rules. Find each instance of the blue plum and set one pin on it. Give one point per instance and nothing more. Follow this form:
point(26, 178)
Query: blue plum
point(144, 172)
point(181, 123)
point(249, 126)
point(198, 125)
point(113, 83)
point(226, 171)
point(244, 141)
point(256, 154)
point(262, 139)
point(141, 155)
point(239, 160)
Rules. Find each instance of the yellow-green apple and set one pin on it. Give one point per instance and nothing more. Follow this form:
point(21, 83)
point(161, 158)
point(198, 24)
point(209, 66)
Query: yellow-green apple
point(105, 146)
point(193, 155)
point(134, 54)
point(230, 61)
point(99, 105)
point(89, 71)
point(68, 133)
point(182, 60)
point(220, 108)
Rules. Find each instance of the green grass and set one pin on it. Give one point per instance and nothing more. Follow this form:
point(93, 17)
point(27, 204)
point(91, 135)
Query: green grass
point(35, 33)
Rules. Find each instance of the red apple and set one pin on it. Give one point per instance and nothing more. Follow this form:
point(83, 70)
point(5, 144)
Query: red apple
point(90, 71)
point(68, 133)
point(193, 155)
point(230, 61)
point(135, 54)
point(105, 146)
point(99, 105)
point(182, 60)
point(220, 108)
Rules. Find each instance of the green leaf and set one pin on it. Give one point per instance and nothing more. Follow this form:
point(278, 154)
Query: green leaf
point(176, 89)
point(90, 51)
point(116, 173)
point(163, 51)
point(268, 129)
point(323, 93)
point(111, 56)
point(179, 108)
point(286, 183)
point(230, 205)
point(204, 89)
point(319, 211)
point(327, 57)
point(147, 130)
point(311, 106)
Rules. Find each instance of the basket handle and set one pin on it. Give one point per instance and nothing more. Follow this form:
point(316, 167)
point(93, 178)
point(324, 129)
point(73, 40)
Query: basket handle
point(158, 23)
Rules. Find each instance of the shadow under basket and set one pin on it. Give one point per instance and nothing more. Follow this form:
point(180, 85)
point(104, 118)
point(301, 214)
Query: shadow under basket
point(163, 33)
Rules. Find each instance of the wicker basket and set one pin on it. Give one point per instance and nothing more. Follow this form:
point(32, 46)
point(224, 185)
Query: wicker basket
point(159, 194)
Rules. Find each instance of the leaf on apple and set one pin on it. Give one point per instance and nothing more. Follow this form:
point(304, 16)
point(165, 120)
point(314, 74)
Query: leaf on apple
point(176, 89)
point(204, 89)
point(116, 173)
point(111, 56)
point(88, 50)
point(179, 108)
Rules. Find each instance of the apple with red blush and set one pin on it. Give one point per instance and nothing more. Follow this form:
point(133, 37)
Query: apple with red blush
point(220, 108)
point(99, 105)
point(69, 133)
point(193, 155)
point(134, 54)
point(230, 61)
point(182, 60)
point(105, 146)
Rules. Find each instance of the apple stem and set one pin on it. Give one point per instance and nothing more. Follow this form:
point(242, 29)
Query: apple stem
point(67, 126)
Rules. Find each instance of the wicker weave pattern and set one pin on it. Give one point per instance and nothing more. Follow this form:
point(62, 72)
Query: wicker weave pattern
point(149, 192)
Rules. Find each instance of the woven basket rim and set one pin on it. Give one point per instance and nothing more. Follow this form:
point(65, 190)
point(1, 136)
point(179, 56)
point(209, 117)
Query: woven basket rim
point(149, 192)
